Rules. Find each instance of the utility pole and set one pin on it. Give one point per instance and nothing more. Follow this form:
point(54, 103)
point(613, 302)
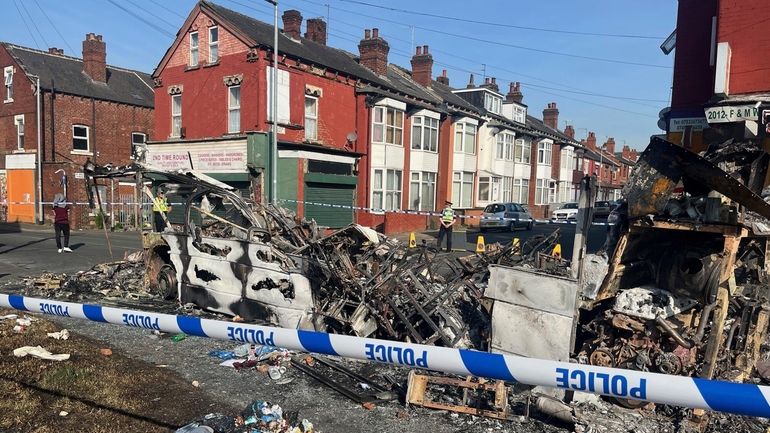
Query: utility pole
point(274, 110)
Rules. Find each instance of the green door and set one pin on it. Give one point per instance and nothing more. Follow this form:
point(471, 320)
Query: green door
point(330, 194)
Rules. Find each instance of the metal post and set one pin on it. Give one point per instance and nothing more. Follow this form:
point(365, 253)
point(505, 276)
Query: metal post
point(39, 156)
point(274, 126)
point(584, 217)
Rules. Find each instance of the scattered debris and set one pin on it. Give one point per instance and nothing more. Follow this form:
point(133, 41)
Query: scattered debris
point(471, 396)
point(105, 352)
point(259, 416)
point(39, 352)
point(343, 380)
point(60, 335)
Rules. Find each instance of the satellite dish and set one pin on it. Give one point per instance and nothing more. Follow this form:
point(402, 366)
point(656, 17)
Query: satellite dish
point(352, 136)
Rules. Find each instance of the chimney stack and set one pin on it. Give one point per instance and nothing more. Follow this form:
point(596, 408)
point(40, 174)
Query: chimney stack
point(470, 85)
point(491, 84)
point(443, 79)
point(422, 66)
point(95, 57)
point(56, 51)
point(316, 30)
point(292, 23)
point(514, 93)
point(591, 141)
point(373, 52)
point(610, 145)
point(569, 131)
point(551, 116)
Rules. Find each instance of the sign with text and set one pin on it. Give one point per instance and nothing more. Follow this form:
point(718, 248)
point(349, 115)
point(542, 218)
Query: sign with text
point(226, 159)
point(732, 113)
point(680, 124)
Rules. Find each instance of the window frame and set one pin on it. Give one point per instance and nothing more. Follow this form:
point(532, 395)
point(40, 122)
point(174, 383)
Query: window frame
point(425, 125)
point(87, 138)
point(542, 191)
point(520, 191)
point(194, 49)
point(385, 189)
point(397, 131)
point(526, 151)
point(462, 128)
point(176, 134)
point(19, 124)
point(419, 178)
point(232, 109)
point(507, 189)
point(544, 152)
point(8, 84)
point(135, 144)
point(214, 44)
point(463, 183)
point(312, 117)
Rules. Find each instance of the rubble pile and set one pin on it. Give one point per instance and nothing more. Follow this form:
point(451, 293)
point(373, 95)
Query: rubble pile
point(259, 416)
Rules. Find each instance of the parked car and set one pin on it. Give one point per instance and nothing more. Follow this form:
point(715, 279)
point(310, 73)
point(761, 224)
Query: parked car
point(602, 209)
point(521, 217)
point(567, 212)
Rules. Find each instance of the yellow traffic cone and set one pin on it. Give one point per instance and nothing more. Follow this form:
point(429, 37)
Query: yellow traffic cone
point(516, 246)
point(480, 247)
point(412, 240)
point(556, 251)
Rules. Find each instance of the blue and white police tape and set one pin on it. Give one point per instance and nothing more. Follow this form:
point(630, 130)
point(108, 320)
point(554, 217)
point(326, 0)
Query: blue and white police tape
point(737, 398)
point(437, 214)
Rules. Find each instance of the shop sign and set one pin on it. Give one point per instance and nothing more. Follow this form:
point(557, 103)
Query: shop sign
point(207, 161)
point(682, 123)
point(732, 113)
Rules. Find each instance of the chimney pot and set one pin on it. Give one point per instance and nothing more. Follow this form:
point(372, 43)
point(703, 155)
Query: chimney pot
point(375, 32)
point(425, 49)
point(443, 79)
point(57, 51)
point(486, 80)
point(470, 83)
point(418, 51)
point(367, 34)
point(494, 80)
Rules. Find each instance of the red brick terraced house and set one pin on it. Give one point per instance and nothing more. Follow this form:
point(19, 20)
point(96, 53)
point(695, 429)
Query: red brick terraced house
point(352, 130)
point(88, 110)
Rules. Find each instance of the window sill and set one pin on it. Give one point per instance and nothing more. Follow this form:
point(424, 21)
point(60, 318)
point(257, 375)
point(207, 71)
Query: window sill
point(20, 151)
point(424, 151)
point(192, 68)
point(81, 152)
point(208, 65)
point(7, 101)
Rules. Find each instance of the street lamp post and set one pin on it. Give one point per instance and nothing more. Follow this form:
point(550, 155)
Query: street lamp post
point(274, 110)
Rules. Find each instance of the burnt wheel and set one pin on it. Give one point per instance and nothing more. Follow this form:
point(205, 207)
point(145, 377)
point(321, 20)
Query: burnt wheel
point(167, 282)
point(602, 358)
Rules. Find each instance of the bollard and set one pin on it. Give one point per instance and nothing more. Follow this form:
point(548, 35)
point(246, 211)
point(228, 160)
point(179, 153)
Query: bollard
point(480, 246)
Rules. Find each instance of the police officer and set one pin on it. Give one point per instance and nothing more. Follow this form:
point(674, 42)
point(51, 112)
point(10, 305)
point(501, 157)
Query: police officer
point(447, 221)
point(160, 208)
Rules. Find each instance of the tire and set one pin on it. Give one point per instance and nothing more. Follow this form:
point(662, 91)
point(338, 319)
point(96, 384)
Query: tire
point(512, 226)
point(167, 282)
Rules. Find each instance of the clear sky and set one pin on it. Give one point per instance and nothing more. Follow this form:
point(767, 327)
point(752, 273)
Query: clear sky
point(613, 84)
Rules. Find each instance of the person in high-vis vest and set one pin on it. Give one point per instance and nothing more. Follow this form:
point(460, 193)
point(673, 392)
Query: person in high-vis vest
point(160, 208)
point(447, 220)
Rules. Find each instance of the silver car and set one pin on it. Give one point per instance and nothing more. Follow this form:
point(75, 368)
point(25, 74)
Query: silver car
point(509, 216)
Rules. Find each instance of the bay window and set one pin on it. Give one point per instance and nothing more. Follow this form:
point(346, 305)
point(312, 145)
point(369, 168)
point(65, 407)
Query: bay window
point(386, 189)
point(544, 153)
point(542, 191)
point(387, 125)
point(521, 190)
point(462, 189)
point(425, 133)
point(422, 191)
point(465, 138)
point(523, 151)
point(507, 188)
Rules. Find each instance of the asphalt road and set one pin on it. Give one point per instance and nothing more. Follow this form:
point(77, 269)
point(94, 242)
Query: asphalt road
point(596, 236)
point(31, 250)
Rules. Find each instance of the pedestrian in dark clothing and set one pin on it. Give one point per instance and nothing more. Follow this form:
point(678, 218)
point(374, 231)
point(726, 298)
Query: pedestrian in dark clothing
point(61, 222)
point(447, 221)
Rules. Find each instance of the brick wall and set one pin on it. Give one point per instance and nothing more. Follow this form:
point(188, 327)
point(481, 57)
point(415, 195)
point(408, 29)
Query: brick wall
point(23, 104)
point(742, 23)
point(693, 76)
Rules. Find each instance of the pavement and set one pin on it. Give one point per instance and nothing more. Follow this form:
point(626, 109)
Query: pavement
point(28, 249)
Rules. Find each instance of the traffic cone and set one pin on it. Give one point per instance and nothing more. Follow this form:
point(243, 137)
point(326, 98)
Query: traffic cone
point(480, 247)
point(412, 240)
point(516, 245)
point(556, 251)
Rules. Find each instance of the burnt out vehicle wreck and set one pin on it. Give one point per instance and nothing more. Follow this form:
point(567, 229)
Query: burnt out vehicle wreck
point(686, 292)
point(228, 254)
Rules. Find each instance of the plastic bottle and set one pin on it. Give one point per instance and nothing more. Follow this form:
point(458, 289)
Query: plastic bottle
point(242, 351)
point(178, 337)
